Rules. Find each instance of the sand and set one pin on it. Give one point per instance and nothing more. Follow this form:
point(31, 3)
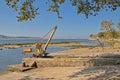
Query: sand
point(67, 73)
point(88, 52)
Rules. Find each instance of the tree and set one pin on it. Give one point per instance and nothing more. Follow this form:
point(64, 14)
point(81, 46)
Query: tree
point(27, 10)
point(110, 33)
point(106, 25)
point(119, 25)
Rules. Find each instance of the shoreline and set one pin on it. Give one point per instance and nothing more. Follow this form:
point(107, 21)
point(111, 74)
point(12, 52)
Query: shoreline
point(19, 45)
point(75, 55)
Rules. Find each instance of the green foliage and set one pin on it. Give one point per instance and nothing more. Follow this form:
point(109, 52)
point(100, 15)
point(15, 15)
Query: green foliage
point(114, 34)
point(110, 32)
point(91, 35)
point(101, 35)
point(108, 35)
point(27, 11)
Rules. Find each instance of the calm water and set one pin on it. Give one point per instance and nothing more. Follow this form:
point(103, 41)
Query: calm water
point(82, 41)
point(14, 56)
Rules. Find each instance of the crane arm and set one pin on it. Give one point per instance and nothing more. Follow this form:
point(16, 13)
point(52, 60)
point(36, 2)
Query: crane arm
point(51, 36)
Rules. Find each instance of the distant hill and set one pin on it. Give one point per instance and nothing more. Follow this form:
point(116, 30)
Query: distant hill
point(19, 37)
point(2, 36)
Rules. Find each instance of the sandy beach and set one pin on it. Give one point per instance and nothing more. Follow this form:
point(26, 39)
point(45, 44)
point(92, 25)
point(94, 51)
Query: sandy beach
point(105, 72)
point(66, 73)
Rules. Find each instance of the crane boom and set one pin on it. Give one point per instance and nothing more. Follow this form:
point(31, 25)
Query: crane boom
point(51, 35)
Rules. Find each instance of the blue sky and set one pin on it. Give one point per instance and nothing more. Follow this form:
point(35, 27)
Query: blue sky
point(70, 26)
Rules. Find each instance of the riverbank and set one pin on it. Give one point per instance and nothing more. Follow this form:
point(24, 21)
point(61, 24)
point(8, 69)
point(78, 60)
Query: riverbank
point(107, 71)
point(20, 45)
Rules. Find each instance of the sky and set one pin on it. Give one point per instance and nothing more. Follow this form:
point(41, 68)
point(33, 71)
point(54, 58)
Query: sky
point(71, 26)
